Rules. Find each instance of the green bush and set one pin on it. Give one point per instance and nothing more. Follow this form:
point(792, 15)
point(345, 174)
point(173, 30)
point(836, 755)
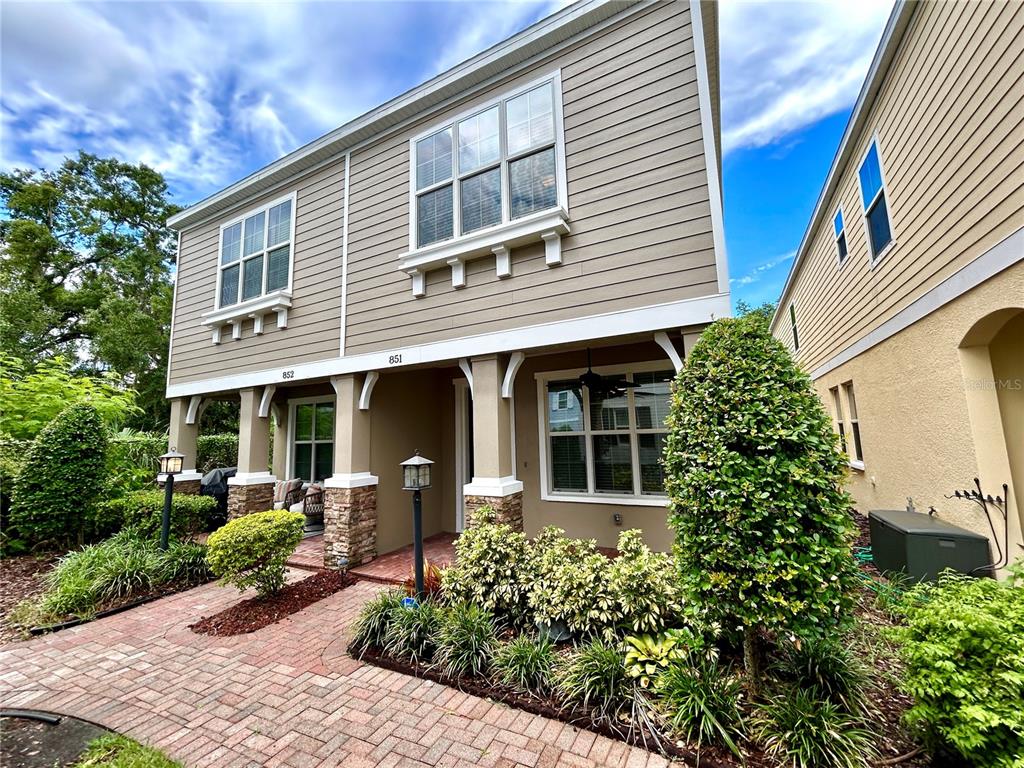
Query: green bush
point(116, 751)
point(594, 675)
point(57, 488)
point(798, 729)
point(829, 670)
point(701, 702)
point(216, 451)
point(492, 568)
point(755, 480)
point(373, 624)
point(466, 641)
point(412, 632)
point(251, 551)
point(644, 586)
point(133, 461)
point(647, 656)
point(526, 663)
point(144, 511)
point(963, 648)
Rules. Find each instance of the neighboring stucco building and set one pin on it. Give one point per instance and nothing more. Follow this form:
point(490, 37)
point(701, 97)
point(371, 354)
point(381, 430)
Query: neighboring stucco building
point(905, 302)
point(431, 275)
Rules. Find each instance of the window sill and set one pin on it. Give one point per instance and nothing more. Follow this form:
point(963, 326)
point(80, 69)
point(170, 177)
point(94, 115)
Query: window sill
point(547, 226)
point(857, 465)
point(622, 501)
point(876, 260)
point(278, 301)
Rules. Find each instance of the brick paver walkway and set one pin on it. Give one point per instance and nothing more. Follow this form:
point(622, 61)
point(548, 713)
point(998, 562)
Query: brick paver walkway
point(395, 567)
point(285, 695)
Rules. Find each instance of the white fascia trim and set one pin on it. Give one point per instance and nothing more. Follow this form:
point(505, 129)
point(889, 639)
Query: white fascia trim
point(1002, 256)
point(619, 501)
point(184, 476)
point(271, 302)
point(493, 486)
point(708, 132)
point(353, 480)
point(676, 314)
point(252, 478)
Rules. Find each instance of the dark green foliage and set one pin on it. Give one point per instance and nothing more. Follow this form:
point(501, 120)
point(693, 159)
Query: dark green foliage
point(143, 511)
point(594, 675)
point(755, 478)
point(216, 451)
point(412, 632)
point(115, 751)
point(700, 701)
point(185, 561)
point(526, 662)
point(466, 641)
point(374, 622)
point(800, 730)
point(251, 551)
point(829, 670)
point(58, 486)
point(963, 649)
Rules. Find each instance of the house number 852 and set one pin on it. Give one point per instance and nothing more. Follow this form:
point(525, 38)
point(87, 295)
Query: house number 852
point(288, 374)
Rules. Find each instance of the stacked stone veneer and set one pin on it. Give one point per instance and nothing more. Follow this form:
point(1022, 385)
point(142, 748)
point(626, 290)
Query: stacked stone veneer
point(190, 487)
point(507, 509)
point(350, 526)
point(246, 499)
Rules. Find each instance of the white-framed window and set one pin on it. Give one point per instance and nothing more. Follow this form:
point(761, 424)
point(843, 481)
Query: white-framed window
point(840, 423)
point(256, 253)
point(496, 164)
point(605, 447)
point(857, 457)
point(874, 198)
point(311, 439)
point(792, 327)
point(840, 230)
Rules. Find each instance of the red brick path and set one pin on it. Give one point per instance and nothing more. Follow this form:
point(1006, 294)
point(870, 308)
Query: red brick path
point(285, 695)
point(395, 567)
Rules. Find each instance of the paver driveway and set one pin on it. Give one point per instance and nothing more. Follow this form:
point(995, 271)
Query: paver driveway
point(285, 695)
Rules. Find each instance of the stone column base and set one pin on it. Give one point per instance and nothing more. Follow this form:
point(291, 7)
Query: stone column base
point(190, 487)
point(246, 499)
point(507, 509)
point(350, 526)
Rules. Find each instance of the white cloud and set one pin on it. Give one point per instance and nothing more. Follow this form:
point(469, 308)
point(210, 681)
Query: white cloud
point(785, 65)
point(758, 272)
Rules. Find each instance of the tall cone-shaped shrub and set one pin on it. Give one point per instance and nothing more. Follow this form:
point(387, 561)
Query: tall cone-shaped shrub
point(755, 478)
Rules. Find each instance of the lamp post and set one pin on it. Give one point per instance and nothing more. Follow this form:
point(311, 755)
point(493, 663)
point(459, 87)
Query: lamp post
point(416, 477)
point(170, 465)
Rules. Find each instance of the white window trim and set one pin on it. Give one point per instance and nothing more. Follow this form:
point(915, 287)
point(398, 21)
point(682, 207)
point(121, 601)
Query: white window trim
point(547, 226)
point(874, 259)
point(854, 437)
point(278, 301)
point(546, 494)
point(842, 262)
point(289, 456)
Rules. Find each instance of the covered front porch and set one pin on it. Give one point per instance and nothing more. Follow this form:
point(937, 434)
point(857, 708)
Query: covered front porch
point(390, 568)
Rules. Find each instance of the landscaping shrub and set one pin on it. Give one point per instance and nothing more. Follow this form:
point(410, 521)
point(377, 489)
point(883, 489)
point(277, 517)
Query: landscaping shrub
point(700, 701)
point(251, 551)
point(216, 451)
point(963, 647)
point(492, 567)
point(755, 480)
point(412, 632)
point(466, 641)
point(646, 656)
point(594, 675)
point(133, 461)
point(829, 670)
point(801, 730)
point(373, 624)
point(58, 485)
point(526, 662)
point(184, 561)
point(643, 585)
point(143, 511)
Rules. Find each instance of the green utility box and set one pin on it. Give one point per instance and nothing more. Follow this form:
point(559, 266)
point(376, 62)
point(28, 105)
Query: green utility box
point(921, 545)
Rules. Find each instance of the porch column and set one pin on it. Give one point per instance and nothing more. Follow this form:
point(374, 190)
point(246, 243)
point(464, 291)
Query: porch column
point(182, 438)
point(494, 480)
point(252, 487)
point(350, 493)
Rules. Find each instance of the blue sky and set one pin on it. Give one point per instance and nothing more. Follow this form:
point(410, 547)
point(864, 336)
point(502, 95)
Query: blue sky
point(209, 92)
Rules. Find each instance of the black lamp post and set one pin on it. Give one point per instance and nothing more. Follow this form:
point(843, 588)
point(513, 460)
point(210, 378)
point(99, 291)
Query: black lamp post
point(170, 465)
point(416, 477)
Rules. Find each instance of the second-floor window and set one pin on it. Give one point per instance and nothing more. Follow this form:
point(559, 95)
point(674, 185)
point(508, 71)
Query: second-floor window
point(876, 206)
point(840, 230)
point(256, 253)
point(494, 166)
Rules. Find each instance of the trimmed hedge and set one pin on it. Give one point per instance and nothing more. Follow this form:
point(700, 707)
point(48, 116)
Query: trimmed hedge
point(251, 551)
point(143, 512)
point(216, 451)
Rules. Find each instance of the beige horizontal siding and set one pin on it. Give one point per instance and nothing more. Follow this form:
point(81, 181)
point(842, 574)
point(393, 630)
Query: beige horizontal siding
point(950, 125)
point(638, 201)
point(314, 321)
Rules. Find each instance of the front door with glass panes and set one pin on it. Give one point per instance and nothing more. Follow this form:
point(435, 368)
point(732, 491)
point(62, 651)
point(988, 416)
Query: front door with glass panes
point(313, 444)
point(606, 444)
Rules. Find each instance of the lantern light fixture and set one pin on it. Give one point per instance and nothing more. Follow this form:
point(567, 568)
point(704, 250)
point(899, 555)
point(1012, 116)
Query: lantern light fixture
point(416, 473)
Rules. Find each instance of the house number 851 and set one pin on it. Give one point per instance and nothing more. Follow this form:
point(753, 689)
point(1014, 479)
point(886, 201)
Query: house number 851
point(394, 359)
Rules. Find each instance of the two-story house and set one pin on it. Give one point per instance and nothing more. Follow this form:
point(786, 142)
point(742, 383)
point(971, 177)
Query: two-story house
point(906, 299)
point(440, 274)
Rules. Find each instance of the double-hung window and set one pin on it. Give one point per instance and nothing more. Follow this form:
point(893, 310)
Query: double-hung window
point(857, 458)
point(876, 206)
point(840, 230)
point(491, 167)
point(606, 444)
point(256, 253)
point(313, 441)
point(840, 424)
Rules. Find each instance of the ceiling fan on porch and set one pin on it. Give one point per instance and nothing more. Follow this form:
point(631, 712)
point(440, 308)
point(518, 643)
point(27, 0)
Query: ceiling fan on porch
point(603, 386)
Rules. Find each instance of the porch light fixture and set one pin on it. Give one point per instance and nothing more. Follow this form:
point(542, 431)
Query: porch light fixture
point(170, 465)
point(415, 478)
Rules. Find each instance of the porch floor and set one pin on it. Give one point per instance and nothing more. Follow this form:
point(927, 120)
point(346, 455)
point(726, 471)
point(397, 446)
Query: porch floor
point(390, 568)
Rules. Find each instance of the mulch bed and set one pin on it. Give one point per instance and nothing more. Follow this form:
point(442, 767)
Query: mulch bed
point(26, 743)
point(20, 578)
point(256, 613)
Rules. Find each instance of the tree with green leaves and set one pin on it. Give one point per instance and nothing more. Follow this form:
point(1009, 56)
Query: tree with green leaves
point(85, 271)
point(755, 478)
